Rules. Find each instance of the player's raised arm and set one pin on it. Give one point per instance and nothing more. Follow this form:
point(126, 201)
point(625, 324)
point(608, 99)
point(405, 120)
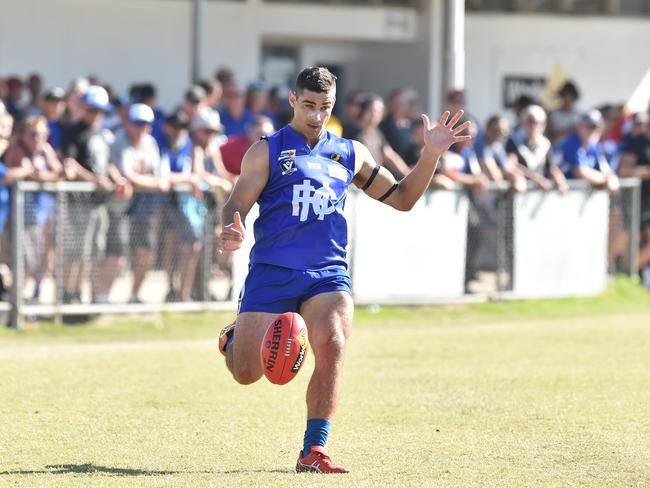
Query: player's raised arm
point(249, 186)
point(378, 183)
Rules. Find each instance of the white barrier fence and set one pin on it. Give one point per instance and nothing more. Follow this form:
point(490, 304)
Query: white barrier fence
point(453, 246)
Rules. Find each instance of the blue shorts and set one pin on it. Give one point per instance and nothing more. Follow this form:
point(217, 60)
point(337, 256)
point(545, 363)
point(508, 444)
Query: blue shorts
point(275, 289)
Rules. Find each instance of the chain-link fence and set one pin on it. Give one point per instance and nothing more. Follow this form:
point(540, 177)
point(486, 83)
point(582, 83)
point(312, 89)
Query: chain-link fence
point(76, 252)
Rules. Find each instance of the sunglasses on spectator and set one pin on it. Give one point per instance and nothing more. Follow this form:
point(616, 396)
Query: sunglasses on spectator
point(532, 121)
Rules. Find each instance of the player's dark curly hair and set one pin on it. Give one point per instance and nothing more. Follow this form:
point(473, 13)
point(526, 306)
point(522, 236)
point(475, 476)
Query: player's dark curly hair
point(316, 79)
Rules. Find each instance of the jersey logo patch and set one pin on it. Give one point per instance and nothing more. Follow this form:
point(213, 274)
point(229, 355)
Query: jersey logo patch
point(288, 166)
point(306, 197)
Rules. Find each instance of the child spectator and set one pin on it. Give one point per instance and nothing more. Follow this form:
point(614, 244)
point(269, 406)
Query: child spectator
point(580, 156)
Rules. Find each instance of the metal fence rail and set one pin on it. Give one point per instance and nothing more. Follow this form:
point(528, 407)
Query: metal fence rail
point(157, 252)
point(77, 252)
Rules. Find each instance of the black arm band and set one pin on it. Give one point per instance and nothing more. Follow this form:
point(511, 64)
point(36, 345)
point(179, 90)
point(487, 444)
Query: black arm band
point(373, 175)
point(389, 192)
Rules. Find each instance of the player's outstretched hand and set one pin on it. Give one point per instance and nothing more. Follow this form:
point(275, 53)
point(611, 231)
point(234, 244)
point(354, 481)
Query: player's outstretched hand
point(441, 135)
point(232, 235)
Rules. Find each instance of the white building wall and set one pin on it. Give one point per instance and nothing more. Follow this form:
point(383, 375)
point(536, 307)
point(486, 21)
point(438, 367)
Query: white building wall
point(606, 57)
point(119, 41)
point(123, 41)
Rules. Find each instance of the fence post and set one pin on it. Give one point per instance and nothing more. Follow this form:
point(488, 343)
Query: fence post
point(502, 242)
point(635, 218)
point(210, 206)
point(59, 243)
point(17, 254)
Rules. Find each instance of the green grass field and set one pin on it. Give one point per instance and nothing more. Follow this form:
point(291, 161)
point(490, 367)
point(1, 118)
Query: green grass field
point(551, 393)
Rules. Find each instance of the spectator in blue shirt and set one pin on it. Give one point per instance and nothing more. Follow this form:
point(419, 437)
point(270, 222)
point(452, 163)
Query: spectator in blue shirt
point(7, 177)
point(462, 164)
point(490, 149)
point(184, 216)
point(53, 106)
point(580, 156)
point(147, 94)
point(6, 128)
point(235, 117)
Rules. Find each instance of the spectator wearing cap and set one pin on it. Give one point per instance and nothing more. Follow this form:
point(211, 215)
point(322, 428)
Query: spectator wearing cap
point(136, 162)
point(208, 163)
point(233, 151)
point(635, 161)
point(190, 228)
point(580, 156)
point(396, 126)
point(53, 106)
point(370, 116)
point(13, 100)
point(205, 130)
point(529, 154)
point(182, 217)
point(564, 120)
point(86, 150)
point(194, 101)
point(235, 117)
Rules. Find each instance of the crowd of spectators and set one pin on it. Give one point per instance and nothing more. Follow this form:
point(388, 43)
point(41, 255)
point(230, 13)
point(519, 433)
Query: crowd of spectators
point(135, 153)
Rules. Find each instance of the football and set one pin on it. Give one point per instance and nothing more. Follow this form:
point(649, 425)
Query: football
point(284, 348)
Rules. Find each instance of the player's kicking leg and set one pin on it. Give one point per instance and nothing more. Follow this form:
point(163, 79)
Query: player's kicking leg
point(329, 321)
point(242, 349)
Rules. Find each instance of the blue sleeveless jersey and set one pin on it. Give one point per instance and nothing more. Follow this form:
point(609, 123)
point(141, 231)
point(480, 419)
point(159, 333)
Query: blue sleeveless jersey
point(301, 223)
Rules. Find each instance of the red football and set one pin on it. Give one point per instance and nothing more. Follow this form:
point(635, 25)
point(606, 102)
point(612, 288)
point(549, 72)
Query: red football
point(284, 348)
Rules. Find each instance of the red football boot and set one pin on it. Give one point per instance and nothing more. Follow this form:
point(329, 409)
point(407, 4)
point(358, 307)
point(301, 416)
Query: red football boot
point(224, 336)
point(317, 461)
